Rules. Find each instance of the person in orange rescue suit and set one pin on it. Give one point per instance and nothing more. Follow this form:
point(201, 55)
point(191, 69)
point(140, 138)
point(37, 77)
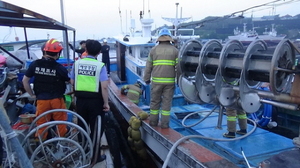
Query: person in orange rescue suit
point(133, 92)
point(49, 87)
point(232, 116)
point(161, 68)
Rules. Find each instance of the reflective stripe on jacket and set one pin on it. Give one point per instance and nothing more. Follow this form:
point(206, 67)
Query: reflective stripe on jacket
point(133, 93)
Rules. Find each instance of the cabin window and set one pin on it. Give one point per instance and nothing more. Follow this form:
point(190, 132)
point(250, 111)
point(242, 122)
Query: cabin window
point(129, 51)
point(145, 52)
point(139, 71)
point(8, 48)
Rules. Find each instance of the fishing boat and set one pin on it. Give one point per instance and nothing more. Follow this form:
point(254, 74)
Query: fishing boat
point(18, 121)
point(205, 86)
point(245, 36)
point(271, 36)
point(204, 89)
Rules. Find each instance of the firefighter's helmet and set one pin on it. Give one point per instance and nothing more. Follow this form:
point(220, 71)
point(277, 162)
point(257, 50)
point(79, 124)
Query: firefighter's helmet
point(164, 32)
point(53, 45)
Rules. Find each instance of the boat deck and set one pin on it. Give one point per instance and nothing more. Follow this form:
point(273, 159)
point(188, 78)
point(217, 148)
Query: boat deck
point(213, 150)
point(258, 146)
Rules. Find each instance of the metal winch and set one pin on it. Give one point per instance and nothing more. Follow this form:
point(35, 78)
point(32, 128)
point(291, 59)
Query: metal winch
point(188, 63)
point(230, 74)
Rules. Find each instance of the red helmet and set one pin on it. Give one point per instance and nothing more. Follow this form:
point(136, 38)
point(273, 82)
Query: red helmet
point(53, 45)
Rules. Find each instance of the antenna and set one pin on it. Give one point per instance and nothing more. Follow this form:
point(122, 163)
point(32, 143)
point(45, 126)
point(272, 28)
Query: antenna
point(143, 7)
point(120, 16)
point(126, 27)
point(149, 8)
point(181, 12)
point(176, 19)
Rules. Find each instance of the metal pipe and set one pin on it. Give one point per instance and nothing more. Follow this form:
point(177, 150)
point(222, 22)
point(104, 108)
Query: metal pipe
point(282, 97)
point(64, 32)
point(74, 44)
point(279, 104)
point(193, 31)
point(12, 139)
point(220, 117)
point(176, 22)
point(26, 41)
point(67, 51)
point(284, 70)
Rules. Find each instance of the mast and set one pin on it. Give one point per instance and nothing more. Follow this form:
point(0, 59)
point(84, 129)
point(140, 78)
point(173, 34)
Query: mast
point(176, 21)
point(65, 41)
point(146, 23)
point(120, 16)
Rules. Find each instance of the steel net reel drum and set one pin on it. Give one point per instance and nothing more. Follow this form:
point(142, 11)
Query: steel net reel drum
point(263, 64)
point(206, 71)
point(228, 74)
point(256, 67)
point(188, 63)
point(283, 60)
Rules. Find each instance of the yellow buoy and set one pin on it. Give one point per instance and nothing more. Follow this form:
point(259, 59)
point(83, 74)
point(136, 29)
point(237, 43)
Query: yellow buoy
point(136, 134)
point(135, 124)
point(138, 144)
point(129, 131)
point(130, 141)
point(130, 120)
point(142, 153)
point(143, 115)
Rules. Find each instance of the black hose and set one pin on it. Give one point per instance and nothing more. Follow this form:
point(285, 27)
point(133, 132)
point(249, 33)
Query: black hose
point(114, 147)
point(117, 142)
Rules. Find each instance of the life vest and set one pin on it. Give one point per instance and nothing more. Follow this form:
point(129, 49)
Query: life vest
point(87, 77)
point(46, 78)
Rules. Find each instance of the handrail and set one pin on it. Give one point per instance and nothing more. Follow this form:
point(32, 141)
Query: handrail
point(14, 142)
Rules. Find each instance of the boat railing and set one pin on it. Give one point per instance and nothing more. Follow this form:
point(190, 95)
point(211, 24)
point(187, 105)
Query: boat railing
point(183, 30)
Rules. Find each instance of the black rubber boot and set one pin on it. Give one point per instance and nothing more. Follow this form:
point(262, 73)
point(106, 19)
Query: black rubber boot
point(241, 132)
point(229, 135)
point(101, 158)
point(165, 120)
point(153, 120)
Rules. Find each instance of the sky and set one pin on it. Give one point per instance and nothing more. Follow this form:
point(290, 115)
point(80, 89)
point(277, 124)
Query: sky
point(96, 19)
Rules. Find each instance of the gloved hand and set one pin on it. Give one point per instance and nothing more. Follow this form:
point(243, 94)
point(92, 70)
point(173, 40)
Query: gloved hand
point(147, 82)
point(123, 91)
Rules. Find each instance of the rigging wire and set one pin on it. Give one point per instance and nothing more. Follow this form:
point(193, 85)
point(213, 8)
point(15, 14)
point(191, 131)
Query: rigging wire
point(16, 36)
point(7, 35)
point(233, 15)
point(270, 4)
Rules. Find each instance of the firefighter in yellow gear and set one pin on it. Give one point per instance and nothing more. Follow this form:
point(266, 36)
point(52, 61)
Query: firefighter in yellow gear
point(133, 92)
point(232, 116)
point(161, 69)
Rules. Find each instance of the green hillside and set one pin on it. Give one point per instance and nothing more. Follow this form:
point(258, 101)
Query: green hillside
point(222, 27)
